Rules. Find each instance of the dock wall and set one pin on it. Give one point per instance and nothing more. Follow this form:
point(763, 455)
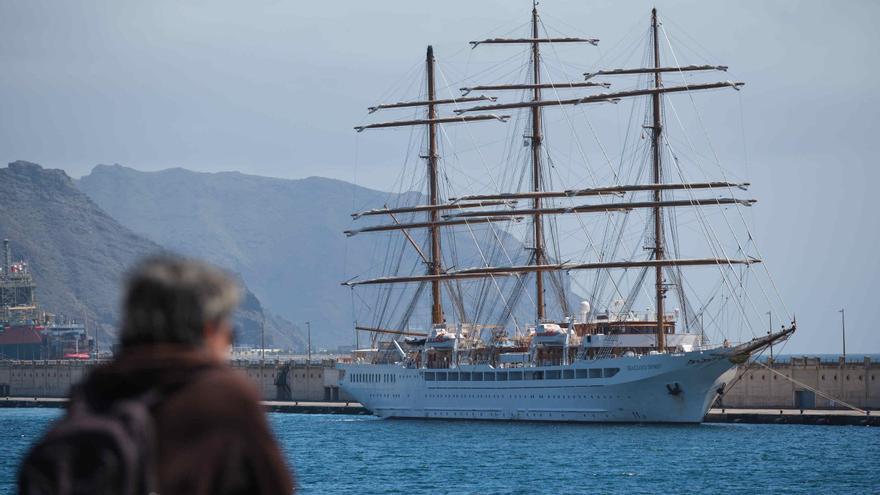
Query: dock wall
point(277, 380)
point(855, 382)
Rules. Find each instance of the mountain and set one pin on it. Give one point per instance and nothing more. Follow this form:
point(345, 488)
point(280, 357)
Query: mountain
point(79, 254)
point(285, 237)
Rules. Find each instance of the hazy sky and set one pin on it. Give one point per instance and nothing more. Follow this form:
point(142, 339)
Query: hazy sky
point(274, 88)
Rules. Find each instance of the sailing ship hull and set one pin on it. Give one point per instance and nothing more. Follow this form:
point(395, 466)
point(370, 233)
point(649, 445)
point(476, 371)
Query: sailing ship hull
point(660, 388)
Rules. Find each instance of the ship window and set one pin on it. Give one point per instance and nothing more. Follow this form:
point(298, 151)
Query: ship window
point(595, 373)
point(465, 376)
point(553, 374)
point(568, 374)
point(515, 375)
point(581, 373)
point(501, 376)
point(478, 377)
point(609, 372)
point(489, 376)
point(441, 376)
point(429, 376)
point(453, 376)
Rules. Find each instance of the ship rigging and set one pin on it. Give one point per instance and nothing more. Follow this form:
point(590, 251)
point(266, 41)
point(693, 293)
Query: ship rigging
point(530, 203)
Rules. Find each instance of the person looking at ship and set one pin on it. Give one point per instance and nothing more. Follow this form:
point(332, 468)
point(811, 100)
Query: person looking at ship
point(168, 415)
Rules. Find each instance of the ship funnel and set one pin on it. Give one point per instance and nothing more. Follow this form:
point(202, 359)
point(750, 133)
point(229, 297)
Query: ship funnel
point(585, 311)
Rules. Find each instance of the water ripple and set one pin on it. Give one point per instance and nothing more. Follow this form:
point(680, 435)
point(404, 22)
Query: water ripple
point(365, 455)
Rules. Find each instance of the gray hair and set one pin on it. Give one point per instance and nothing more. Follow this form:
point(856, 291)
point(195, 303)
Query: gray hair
point(170, 300)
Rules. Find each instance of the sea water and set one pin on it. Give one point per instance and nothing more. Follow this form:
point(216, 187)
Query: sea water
point(364, 455)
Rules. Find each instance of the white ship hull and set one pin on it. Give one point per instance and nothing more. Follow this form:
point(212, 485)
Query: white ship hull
point(662, 388)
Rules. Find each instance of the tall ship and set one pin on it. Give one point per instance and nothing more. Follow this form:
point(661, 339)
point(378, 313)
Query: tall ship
point(474, 316)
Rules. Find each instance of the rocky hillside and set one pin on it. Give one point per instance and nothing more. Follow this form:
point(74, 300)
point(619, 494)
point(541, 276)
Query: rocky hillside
point(285, 237)
point(79, 254)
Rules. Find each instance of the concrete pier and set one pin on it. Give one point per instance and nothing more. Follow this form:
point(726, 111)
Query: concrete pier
point(792, 417)
point(792, 384)
point(316, 407)
point(753, 416)
point(296, 382)
point(296, 407)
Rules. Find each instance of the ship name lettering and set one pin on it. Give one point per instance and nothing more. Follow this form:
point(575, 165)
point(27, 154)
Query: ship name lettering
point(637, 367)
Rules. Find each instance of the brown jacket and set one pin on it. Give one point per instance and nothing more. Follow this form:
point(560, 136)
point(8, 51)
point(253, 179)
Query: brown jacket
point(212, 435)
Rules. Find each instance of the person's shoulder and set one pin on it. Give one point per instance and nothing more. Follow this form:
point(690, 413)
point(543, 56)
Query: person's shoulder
point(216, 394)
point(225, 382)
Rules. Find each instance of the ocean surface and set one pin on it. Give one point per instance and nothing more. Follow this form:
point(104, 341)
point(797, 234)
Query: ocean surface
point(364, 455)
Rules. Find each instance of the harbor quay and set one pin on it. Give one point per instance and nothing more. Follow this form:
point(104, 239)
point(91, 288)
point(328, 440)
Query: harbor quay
point(806, 383)
point(793, 390)
point(284, 380)
point(836, 417)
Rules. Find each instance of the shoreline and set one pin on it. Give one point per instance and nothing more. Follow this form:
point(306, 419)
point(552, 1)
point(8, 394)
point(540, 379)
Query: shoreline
point(831, 417)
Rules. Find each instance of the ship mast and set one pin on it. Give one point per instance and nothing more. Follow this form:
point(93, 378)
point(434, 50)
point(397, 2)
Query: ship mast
point(536, 169)
point(469, 210)
point(656, 129)
point(434, 223)
point(434, 267)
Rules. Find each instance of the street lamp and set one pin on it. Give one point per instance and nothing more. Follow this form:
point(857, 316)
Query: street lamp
point(770, 331)
point(309, 330)
point(843, 330)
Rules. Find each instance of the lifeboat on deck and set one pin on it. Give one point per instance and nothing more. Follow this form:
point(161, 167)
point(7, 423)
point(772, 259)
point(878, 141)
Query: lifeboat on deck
point(440, 338)
point(549, 334)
